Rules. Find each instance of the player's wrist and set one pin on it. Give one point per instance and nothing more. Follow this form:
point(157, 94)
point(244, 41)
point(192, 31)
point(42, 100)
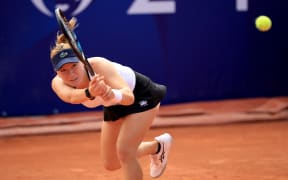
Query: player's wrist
point(118, 96)
point(88, 94)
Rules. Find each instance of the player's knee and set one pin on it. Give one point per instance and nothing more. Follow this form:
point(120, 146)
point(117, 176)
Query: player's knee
point(125, 154)
point(111, 166)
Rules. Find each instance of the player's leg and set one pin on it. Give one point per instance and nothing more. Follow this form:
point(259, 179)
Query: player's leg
point(147, 148)
point(109, 135)
point(132, 132)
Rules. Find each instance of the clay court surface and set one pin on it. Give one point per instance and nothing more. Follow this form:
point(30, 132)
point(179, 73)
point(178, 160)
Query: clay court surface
point(242, 150)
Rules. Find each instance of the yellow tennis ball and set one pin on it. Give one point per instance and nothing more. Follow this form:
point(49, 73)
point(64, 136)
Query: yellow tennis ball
point(263, 23)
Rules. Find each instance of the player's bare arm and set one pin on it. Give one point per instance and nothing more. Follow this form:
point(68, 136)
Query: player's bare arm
point(112, 80)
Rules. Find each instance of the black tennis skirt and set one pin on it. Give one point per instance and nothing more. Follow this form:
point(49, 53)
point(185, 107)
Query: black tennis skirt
point(147, 93)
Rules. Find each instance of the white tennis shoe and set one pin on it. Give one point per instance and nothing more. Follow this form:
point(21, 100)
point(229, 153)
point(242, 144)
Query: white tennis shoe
point(159, 160)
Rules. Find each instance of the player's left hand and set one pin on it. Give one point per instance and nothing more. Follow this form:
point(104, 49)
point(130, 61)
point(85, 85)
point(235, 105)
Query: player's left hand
point(97, 86)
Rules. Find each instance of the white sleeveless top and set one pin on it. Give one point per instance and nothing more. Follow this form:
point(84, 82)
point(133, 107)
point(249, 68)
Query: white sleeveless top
point(126, 73)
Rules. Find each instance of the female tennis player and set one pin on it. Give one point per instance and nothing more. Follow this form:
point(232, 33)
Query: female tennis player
point(130, 103)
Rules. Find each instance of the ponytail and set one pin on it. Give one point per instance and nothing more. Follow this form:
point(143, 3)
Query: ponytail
point(61, 41)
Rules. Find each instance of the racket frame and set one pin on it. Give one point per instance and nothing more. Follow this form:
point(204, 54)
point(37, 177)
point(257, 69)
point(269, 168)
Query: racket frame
point(73, 41)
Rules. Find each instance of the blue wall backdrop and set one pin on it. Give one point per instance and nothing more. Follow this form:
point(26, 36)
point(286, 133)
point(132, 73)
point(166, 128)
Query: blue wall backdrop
point(201, 49)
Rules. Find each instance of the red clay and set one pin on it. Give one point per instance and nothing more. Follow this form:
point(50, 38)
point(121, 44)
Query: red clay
point(240, 151)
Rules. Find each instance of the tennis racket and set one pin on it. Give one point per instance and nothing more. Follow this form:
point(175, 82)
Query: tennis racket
point(72, 40)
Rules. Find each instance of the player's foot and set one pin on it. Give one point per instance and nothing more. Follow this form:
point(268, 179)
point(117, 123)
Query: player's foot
point(159, 160)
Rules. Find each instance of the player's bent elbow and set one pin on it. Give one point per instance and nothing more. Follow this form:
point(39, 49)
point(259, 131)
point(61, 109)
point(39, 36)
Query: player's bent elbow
point(72, 100)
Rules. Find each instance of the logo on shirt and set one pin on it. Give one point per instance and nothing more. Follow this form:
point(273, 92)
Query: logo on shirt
point(143, 103)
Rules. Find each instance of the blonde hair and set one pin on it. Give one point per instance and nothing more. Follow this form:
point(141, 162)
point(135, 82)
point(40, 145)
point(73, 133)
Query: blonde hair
point(61, 42)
